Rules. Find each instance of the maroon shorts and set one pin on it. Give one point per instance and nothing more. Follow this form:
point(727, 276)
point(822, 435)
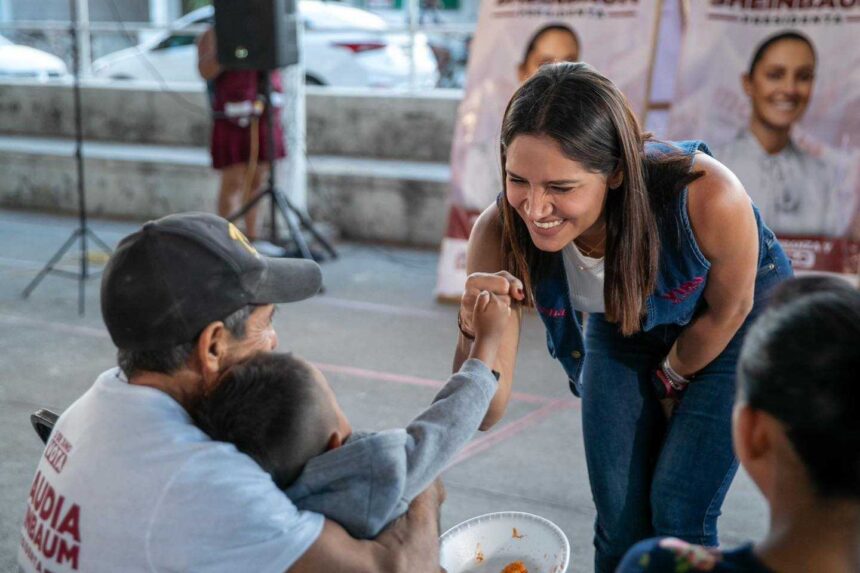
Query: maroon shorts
point(231, 143)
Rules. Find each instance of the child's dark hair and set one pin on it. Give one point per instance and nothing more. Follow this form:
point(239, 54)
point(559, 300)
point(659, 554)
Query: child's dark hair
point(793, 289)
point(800, 363)
point(272, 409)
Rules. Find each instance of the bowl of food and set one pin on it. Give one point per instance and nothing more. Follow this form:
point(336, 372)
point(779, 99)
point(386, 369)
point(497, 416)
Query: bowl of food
point(505, 542)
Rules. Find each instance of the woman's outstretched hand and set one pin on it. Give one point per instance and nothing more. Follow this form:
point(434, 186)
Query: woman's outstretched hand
point(507, 288)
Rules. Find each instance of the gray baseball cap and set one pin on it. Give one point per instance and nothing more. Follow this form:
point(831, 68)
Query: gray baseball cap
point(166, 282)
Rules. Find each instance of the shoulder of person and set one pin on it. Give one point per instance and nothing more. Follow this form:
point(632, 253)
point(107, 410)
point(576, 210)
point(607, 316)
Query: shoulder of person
point(717, 203)
point(668, 555)
point(207, 38)
point(220, 506)
point(485, 242)
point(236, 519)
point(717, 188)
point(489, 223)
point(218, 478)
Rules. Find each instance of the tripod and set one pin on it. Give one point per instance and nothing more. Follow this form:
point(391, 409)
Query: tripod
point(278, 201)
point(83, 232)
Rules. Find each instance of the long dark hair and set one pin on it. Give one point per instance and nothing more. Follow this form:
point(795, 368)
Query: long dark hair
point(592, 122)
point(800, 363)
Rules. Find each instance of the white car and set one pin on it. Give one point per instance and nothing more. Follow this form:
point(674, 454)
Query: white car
point(343, 46)
point(18, 61)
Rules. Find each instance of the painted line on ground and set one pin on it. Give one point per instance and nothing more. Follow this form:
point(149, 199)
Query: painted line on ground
point(23, 263)
point(382, 308)
point(414, 380)
point(507, 432)
point(54, 326)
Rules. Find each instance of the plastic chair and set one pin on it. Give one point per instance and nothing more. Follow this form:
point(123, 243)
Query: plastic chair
point(43, 422)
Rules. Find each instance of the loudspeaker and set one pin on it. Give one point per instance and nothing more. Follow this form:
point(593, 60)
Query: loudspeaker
point(256, 34)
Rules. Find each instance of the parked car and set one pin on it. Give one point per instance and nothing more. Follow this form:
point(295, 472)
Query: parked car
point(17, 61)
point(343, 46)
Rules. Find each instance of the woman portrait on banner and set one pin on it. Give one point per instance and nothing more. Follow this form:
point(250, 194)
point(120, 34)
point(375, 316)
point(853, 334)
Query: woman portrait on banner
point(661, 246)
point(239, 144)
point(798, 193)
point(555, 42)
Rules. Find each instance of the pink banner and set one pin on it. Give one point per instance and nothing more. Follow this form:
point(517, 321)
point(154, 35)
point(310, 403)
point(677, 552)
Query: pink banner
point(773, 87)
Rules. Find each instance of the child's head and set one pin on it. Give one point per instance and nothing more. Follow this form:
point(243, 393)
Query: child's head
point(278, 409)
point(797, 420)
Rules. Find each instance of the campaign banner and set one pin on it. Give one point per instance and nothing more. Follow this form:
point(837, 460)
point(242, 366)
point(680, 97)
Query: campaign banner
point(773, 87)
point(512, 40)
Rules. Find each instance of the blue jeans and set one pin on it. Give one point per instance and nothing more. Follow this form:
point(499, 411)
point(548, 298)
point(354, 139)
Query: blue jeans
point(649, 477)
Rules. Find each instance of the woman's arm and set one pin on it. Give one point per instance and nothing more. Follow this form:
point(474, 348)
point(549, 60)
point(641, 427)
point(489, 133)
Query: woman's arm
point(207, 55)
point(725, 229)
point(484, 267)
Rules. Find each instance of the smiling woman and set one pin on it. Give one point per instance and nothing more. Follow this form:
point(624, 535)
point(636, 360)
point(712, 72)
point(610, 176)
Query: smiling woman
point(659, 243)
point(795, 191)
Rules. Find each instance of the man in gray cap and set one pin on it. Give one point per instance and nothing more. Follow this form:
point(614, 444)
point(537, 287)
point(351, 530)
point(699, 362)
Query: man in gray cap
point(128, 483)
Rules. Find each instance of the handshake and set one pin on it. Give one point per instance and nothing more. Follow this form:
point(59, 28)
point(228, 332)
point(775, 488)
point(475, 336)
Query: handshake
point(485, 311)
point(486, 327)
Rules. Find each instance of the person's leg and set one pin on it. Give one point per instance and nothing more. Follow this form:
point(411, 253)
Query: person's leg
point(260, 173)
point(622, 427)
point(230, 189)
point(697, 463)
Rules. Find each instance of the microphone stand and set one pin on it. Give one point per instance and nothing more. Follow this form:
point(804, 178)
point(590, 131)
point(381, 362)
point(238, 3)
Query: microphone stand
point(83, 231)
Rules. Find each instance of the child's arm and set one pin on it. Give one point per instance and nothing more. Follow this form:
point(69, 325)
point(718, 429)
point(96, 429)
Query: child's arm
point(487, 333)
point(435, 436)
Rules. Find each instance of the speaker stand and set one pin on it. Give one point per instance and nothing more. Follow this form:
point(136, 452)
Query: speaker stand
point(279, 201)
point(83, 232)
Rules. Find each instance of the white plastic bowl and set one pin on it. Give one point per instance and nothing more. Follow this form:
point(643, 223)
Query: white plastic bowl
point(488, 543)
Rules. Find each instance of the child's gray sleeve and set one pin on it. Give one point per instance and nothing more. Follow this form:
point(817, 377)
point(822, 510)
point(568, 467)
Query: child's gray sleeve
point(435, 437)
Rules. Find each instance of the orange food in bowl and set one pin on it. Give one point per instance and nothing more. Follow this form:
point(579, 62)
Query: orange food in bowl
point(515, 567)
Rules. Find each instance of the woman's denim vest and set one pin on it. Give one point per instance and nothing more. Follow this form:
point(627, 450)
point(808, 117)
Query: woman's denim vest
point(681, 279)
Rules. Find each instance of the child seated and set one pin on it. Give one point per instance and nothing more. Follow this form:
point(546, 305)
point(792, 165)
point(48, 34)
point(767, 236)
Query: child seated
point(281, 411)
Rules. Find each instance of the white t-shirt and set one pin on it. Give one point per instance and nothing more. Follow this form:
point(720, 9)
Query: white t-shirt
point(584, 280)
point(128, 483)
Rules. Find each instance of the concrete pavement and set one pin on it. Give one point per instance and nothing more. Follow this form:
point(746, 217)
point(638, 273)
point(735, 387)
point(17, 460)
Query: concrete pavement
point(379, 336)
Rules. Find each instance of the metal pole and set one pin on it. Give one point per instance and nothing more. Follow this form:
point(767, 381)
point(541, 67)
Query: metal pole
point(82, 232)
point(79, 154)
point(413, 11)
point(6, 11)
point(294, 168)
point(82, 21)
point(265, 88)
point(159, 12)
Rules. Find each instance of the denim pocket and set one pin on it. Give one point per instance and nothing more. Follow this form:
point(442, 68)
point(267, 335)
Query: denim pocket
point(774, 268)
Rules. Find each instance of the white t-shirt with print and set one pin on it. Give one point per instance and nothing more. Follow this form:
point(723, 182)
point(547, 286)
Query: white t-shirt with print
point(128, 483)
